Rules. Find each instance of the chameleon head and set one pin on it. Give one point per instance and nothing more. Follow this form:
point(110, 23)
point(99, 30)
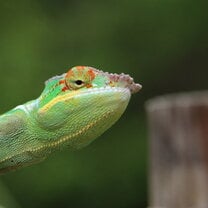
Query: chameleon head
point(84, 103)
point(88, 77)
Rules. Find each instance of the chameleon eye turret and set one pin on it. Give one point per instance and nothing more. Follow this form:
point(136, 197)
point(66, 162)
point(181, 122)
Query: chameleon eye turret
point(79, 76)
point(73, 110)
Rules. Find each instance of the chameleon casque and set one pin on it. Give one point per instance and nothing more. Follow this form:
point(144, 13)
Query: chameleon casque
point(73, 110)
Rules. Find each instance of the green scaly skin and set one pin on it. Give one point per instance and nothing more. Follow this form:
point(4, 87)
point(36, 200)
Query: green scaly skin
point(73, 110)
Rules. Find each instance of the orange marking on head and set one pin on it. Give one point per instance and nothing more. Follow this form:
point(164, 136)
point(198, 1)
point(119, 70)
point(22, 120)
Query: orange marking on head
point(69, 73)
point(64, 89)
point(80, 67)
point(88, 85)
point(91, 74)
point(62, 82)
point(112, 84)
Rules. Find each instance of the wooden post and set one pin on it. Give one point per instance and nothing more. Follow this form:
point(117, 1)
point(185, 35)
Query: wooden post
point(178, 126)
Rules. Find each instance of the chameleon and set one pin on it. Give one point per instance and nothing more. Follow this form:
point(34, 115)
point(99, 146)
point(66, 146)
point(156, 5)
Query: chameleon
point(73, 109)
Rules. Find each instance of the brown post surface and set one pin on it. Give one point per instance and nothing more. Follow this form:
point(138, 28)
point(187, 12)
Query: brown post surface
point(178, 174)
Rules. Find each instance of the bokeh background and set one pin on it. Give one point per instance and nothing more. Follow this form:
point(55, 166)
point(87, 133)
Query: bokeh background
point(163, 44)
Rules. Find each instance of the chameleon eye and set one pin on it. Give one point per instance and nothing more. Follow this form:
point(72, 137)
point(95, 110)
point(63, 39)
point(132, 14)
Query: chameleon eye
point(79, 82)
point(79, 76)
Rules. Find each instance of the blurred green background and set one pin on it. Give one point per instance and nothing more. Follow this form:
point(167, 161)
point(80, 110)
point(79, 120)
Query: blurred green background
point(163, 44)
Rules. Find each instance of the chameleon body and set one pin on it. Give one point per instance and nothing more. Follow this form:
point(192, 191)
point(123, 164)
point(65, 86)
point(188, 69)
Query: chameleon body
point(73, 110)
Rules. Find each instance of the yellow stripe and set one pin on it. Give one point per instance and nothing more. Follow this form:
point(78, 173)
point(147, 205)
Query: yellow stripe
point(59, 98)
